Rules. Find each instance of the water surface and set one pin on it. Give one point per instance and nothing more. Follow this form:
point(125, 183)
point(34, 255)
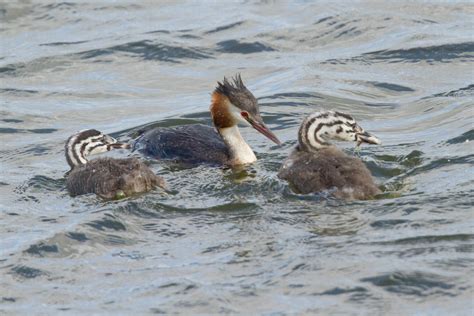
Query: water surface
point(238, 241)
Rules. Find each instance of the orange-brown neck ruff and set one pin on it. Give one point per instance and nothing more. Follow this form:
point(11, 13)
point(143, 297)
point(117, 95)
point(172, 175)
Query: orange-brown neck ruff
point(220, 111)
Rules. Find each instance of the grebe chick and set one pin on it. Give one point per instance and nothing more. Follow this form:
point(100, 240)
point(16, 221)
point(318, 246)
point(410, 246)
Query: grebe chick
point(316, 165)
point(232, 103)
point(106, 177)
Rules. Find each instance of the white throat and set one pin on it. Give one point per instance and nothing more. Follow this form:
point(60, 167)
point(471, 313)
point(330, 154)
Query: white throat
point(240, 151)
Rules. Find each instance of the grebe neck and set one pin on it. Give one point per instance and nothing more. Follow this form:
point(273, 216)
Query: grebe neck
point(240, 151)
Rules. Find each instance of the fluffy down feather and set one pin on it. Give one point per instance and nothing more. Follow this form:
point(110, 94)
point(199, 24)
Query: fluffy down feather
point(328, 169)
point(108, 177)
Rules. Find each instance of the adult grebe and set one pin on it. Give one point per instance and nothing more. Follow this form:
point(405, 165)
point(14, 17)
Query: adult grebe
point(195, 144)
point(106, 177)
point(315, 165)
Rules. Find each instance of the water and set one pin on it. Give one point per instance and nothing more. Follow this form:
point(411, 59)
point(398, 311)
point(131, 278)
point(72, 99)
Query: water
point(238, 241)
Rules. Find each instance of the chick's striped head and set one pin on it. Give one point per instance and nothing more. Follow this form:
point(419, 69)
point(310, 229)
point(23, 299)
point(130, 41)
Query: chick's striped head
point(319, 127)
point(89, 142)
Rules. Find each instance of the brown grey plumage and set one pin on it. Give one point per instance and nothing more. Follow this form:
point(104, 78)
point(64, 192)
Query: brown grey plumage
point(328, 169)
point(316, 165)
point(110, 178)
point(106, 177)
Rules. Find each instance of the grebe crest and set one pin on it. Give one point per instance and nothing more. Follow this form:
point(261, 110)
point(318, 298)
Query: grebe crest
point(320, 127)
point(233, 103)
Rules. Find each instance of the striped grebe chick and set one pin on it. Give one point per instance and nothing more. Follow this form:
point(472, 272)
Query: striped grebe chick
point(231, 103)
point(106, 177)
point(316, 165)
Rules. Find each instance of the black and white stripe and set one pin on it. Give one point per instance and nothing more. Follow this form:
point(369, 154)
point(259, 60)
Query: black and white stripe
point(85, 143)
point(322, 125)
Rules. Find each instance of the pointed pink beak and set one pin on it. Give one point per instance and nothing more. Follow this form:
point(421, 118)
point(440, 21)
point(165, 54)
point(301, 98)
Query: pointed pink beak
point(262, 128)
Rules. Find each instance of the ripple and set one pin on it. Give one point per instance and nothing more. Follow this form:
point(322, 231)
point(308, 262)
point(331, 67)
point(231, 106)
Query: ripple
point(389, 223)
point(145, 50)
point(339, 291)
point(27, 272)
point(413, 283)
point(237, 47)
point(391, 86)
point(9, 69)
point(108, 222)
point(461, 92)
point(41, 183)
point(81, 237)
point(224, 27)
point(63, 43)
point(431, 54)
point(149, 50)
point(439, 53)
point(59, 6)
point(429, 239)
point(332, 29)
point(339, 225)
point(463, 138)
point(41, 248)
point(437, 163)
point(11, 120)
point(18, 92)
point(6, 130)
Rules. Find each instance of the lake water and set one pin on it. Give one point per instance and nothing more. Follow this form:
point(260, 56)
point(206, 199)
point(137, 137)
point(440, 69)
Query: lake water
point(238, 241)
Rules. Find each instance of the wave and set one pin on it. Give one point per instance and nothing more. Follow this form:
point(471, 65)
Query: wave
point(460, 52)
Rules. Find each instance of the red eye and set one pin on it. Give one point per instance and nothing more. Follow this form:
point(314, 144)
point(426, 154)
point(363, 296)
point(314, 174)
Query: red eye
point(244, 114)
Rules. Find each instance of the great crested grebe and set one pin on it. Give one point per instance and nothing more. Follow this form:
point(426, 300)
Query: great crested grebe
point(106, 177)
point(194, 144)
point(316, 165)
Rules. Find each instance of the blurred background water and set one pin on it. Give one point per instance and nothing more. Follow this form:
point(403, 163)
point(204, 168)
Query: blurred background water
point(238, 241)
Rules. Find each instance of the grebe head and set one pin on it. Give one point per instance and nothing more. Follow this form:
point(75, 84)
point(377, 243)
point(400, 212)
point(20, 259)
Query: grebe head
point(232, 103)
point(319, 127)
point(88, 142)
